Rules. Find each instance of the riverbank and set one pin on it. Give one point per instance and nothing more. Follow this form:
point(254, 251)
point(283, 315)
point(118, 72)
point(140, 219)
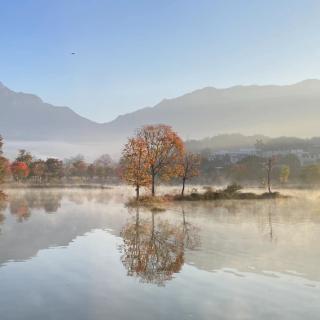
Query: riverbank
point(55, 186)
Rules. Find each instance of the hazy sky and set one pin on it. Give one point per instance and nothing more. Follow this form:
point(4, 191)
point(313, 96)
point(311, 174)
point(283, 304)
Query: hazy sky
point(133, 53)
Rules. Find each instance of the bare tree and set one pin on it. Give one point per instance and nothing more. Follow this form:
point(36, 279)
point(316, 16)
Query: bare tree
point(269, 166)
point(188, 167)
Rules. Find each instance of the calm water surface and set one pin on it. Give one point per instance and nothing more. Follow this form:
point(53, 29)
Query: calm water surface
point(84, 255)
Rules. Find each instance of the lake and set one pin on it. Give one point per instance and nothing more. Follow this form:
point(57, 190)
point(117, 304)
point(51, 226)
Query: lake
point(81, 254)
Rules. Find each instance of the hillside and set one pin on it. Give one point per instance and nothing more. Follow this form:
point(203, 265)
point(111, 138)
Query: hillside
point(269, 110)
point(27, 117)
point(293, 110)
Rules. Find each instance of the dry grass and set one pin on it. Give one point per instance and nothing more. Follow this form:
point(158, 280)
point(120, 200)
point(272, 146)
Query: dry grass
point(155, 204)
point(227, 195)
point(231, 192)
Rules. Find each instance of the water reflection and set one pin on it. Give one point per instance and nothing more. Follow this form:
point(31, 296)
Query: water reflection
point(2, 218)
point(3, 205)
point(36, 220)
point(153, 248)
point(248, 236)
point(23, 203)
point(190, 232)
point(271, 209)
point(68, 264)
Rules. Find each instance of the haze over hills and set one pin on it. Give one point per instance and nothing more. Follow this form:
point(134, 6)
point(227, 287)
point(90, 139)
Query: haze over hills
point(291, 110)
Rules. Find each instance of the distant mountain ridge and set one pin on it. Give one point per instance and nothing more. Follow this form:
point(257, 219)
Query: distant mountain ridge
point(27, 117)
point(269, 110)
point(291, 110)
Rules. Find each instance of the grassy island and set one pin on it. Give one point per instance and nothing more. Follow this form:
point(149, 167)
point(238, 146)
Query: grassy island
point(231, 192)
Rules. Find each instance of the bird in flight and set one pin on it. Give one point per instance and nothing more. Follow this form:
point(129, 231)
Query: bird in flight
point(73, 53)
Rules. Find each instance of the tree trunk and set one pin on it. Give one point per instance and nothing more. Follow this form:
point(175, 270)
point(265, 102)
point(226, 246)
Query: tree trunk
point(269, 175)
point(137, 192)
point(183, 185)
point(153, 192)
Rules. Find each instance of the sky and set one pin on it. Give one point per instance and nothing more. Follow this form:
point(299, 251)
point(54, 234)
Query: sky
point(134, 53)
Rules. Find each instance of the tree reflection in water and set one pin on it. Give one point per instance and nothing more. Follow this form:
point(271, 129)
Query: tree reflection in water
point(21, 204)
point(3, 205)
point(271, 209)
point(153, 249)
point(2, 218)
point(190, 233)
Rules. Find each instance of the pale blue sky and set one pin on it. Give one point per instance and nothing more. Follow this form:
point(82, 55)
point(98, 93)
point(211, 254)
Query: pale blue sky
point(134, 53)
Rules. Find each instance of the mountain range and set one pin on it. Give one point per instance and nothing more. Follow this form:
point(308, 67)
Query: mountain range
point(290, 110)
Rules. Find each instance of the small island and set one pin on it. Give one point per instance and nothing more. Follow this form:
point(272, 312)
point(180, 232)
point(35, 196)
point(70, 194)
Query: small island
point(231, 192)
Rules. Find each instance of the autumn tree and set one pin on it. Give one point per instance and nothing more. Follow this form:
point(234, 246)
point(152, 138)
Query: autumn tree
point(38, 169)
point(134, 164)
point(163, 148)
point(19, 170)
point(103, 161)
point(54, 168)
point(71, 165)
point(24, 156)
point(188, 167)
point(91, 170)
point(103, 166)
point(79, 168)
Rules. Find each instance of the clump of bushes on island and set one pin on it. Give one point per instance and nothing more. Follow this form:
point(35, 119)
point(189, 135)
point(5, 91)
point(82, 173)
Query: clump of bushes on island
point(231, 192)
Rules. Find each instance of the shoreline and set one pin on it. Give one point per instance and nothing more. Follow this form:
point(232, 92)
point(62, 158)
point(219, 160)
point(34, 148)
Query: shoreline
point(158, 202)
point(57, 186)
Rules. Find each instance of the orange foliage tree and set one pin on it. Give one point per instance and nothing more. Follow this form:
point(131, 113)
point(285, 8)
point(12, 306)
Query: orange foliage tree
point(163, 147)
point(134, 164)
point(19, 170)
point(188, 167)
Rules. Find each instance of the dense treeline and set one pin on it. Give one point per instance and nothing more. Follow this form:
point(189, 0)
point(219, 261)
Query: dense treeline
point(26, 168)
point(157, 154)
point(252, 171)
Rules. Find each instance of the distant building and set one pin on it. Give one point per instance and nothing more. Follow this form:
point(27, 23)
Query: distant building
point(234, 156)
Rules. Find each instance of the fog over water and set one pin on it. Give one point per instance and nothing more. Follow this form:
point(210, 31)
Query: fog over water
point(198, 260)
